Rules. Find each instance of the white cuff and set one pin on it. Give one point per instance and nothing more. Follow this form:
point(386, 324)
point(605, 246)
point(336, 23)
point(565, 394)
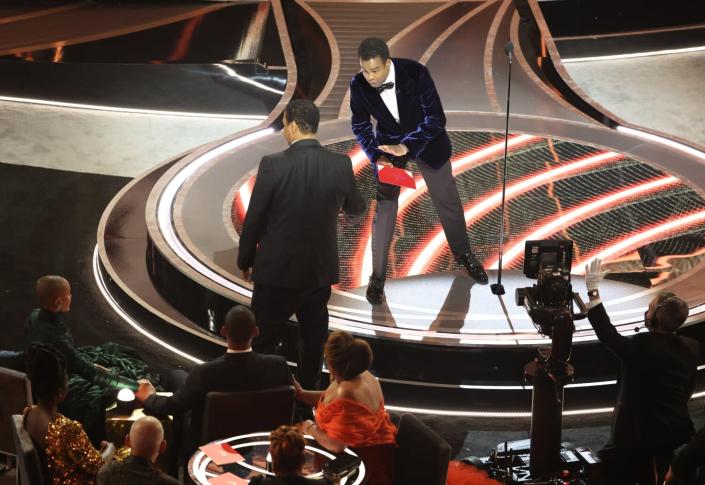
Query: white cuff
point(593, 303)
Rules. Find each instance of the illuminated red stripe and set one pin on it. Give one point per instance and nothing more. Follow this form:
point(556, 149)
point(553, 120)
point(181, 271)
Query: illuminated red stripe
point(476, 211)
point(580, 213)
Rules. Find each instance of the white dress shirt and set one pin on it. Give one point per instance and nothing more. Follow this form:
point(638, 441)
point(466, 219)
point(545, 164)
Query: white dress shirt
point(389, 96)
point(232, 351)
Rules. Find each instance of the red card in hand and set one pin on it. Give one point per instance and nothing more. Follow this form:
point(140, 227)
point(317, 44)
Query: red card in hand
point(396, 176)
point(227, 479)
point(222, 453)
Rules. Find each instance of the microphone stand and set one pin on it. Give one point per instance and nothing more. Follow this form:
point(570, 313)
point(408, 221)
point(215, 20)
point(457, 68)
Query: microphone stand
point(498, 288)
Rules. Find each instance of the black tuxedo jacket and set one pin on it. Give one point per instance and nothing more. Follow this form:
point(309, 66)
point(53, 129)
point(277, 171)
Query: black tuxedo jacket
point(422, 121)
point(290, 231)
point(656, 381)
point(248, 371)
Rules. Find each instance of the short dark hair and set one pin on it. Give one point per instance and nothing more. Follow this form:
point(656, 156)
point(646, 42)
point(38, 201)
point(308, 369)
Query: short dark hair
point(239, 324)
point(304, 113)
point(347, 356)
point(372, 47)
point(671, 311)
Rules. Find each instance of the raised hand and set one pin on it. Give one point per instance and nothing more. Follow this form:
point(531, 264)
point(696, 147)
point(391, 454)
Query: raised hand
point(594, 274)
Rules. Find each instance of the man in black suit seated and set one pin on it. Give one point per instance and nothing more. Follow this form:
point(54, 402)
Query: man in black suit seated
point(290, 237)
point(239, 369)
point(656, 381)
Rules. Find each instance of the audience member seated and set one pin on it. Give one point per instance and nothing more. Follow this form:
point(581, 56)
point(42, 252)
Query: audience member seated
point(350, 412)
point(70, 456)
point(658, 369)
point(239, 369)
point(287, 447)
point(684, 466)
point(146, 442)
point(88, 375)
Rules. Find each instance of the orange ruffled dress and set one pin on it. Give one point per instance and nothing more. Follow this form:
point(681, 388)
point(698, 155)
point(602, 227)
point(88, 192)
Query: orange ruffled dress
point(371, 434)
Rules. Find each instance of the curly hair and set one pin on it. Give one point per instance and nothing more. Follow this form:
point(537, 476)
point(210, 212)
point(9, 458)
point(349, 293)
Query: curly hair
point(287, 446)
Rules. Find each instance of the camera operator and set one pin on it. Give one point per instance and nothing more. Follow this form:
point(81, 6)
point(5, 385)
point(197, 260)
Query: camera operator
point(657, 375)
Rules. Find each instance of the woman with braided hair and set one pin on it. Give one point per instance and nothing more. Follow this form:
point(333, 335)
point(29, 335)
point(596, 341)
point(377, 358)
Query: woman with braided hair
point(70, 457)
point(350, 412)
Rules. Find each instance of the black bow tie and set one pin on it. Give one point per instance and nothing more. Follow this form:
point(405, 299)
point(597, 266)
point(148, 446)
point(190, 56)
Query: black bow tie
point(384, 86)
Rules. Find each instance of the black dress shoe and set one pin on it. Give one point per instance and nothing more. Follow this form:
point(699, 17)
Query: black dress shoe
point(375, 290)
point(474, 268)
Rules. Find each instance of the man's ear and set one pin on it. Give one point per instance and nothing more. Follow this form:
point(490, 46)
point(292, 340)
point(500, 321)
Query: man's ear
point(127, 440)
point(223, 333)
point(255, 332)
point(162, 447)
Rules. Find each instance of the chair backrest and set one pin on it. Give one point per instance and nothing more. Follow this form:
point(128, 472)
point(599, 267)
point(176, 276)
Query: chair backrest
point(16, 394)
point(229, 414)
point(422, 455)
point(28, 463)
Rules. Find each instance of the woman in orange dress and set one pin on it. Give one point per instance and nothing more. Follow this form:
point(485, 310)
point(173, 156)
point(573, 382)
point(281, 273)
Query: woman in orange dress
point(350, 412)
point(70, 457)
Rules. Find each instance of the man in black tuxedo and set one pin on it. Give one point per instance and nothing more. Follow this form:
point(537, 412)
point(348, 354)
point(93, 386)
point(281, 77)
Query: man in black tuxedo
point(656, 381)
point(290, 236)
point(401, 96)
point(239, 369)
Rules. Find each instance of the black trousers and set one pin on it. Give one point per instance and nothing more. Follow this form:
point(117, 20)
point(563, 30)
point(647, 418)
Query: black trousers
point(444, 195)
point(273, 306)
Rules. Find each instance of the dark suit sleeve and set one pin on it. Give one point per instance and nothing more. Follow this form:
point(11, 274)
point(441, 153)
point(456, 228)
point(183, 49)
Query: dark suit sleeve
point(361, 124)
point(354, 205)
point(620, 345)
point(257, 212)
point(186, 398)
point(434, 119)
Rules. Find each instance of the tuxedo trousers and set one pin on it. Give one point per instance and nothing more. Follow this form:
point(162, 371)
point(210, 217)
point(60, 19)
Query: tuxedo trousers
point(444, 196)
point(274, 305)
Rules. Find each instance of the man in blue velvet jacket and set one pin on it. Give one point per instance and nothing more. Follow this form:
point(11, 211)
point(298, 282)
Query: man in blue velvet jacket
point(401, 96)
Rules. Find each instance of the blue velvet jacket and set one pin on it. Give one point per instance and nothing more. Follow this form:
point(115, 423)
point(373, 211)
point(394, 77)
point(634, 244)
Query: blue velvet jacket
point(421, 124)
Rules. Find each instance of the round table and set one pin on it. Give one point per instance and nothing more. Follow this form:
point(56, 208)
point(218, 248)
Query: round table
point(254, 448)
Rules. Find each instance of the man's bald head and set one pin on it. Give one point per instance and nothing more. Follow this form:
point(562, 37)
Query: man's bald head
point(146, 438)
point(54, 293)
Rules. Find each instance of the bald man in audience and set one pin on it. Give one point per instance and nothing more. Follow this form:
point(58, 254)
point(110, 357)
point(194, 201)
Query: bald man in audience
point(146, 442)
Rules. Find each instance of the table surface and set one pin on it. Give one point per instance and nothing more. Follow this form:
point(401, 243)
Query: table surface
point(255, 448)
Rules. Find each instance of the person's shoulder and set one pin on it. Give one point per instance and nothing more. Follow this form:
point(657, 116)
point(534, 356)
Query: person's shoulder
point(274, 360)
point(357, 80)
point(110, 468)
point(411, 67)
point(346, 390)
point(164, 479)
point(333, 156)
point(217, 362)
point(692, 344)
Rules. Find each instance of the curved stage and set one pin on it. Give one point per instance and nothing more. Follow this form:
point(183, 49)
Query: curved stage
point(441, 344)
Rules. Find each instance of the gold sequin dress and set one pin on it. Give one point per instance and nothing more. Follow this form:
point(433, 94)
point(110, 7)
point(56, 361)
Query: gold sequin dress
point(70, 454)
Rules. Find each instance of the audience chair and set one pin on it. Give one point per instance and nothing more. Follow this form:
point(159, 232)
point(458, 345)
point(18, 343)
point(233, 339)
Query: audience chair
point(16, 394)
point(228, 414)
point(422, 455)
point(28, 463)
